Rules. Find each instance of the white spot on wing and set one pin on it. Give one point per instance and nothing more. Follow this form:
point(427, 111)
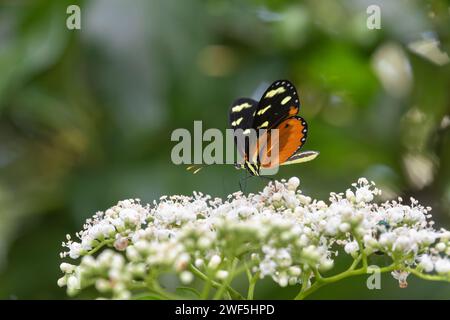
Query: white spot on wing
point(285, 100)
point(236, 123)
point(274, 92)
point(262, 111)
point(264, 125)
point(240, 107)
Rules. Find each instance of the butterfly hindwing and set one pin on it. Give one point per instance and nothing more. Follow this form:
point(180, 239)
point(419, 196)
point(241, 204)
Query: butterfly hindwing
point(301, 156)
point(292, 134)
point(279, 102)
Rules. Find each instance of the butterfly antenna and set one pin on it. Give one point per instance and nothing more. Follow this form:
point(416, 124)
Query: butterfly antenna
point(195, 168)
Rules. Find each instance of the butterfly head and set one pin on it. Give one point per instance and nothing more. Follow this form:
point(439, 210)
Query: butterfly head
point(252, 168)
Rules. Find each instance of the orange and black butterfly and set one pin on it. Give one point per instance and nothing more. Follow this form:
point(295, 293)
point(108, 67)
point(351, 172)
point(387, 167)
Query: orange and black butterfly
point(277, 109)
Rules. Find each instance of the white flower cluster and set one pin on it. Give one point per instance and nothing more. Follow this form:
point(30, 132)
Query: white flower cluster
point(278, 233)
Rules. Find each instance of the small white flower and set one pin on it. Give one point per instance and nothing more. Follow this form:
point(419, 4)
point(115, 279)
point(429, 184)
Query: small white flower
point(350, 195)
point(129, 216)
point(133, 253)
point(267, 267)
point(344, 227)
point(283, 280)
point(395, 214)
point(326, 264)
point(364, 195)
point(387, 239)
point(199, 262)
point(402, 243)
point(332, 226)
point(73, 283)
point(186, 277)
point(75, 250)
point(295, 271)
point(103, 285)
point(351, 248)
point(442, 266)
point(277, 196)
point(62, 282)
point(204, 242)
point(426, 263)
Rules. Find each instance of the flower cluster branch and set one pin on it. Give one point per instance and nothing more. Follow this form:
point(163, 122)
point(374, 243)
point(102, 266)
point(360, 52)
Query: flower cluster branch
point(280, 233)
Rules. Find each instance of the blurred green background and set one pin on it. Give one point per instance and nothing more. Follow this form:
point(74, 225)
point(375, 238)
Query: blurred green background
point(86, 115)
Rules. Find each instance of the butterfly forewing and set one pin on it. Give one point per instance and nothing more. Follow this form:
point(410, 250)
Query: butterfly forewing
point(241, 117)
point(241, 113)
point(279, 102)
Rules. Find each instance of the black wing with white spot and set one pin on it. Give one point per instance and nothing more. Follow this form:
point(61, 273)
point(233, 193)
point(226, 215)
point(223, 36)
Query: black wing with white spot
point(279, 102)
point(241, 113)
point(241, 117)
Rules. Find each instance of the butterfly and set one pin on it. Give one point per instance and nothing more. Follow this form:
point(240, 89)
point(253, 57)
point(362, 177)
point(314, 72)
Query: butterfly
point(277, 109)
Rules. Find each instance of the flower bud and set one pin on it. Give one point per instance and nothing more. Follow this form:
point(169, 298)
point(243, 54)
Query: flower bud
point(67, 267)
point(62, 282)
point(214, 262)
point(222, 274)
point(441, 247)
point(186, 277)
point(293, 183)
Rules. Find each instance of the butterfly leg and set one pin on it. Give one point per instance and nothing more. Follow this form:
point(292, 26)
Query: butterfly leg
point(244, 179)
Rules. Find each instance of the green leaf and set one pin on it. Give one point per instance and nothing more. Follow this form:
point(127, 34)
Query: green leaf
point(188, 292)
point(147, 296)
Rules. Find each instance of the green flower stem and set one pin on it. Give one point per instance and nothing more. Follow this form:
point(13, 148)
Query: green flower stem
point(227, 281)
point(430, 277)
point(305, 279)
point(233, 293)
point(251, 284)
point(317, 275)
point(99, 246)
point(350, 272)
point(361, 249)
point(206, 288)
